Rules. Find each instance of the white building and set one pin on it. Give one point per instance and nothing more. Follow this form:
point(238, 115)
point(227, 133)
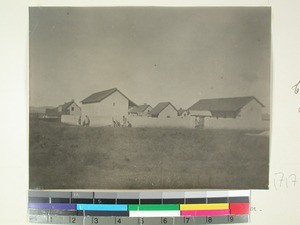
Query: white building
point(238, 112)
point(183, 112)
point(164, 110)
point(140, 110)
point(110, 103)
point(68, 108)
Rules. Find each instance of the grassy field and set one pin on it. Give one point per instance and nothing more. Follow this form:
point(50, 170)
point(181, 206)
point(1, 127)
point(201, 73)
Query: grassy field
point(72, 157)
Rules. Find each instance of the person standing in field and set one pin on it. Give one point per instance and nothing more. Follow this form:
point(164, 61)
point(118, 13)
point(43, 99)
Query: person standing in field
point(79, 120)
point(86, 121)
point(124, 121)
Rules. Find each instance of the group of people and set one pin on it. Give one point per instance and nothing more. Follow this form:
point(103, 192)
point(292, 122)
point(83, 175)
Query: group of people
point(125, 123)
point(85, 122)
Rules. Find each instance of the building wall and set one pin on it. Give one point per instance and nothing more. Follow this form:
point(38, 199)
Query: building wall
point(250, 117)
point(70, 119)
point(252, 111)
point(76, 109)
point(169, 111)
point(174, 122)
point(239, 123)
point(184, 114)
point(114, 106)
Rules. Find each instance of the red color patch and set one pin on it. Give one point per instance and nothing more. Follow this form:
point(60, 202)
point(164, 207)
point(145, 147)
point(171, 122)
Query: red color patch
point(239, 208)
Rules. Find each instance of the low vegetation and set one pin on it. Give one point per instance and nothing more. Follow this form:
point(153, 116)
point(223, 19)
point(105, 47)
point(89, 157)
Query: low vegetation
point(73, 157)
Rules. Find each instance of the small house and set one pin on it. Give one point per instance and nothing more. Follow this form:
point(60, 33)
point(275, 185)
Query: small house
point(140, 110)
point(183, 112)
point(68, 108)
point(164, 110)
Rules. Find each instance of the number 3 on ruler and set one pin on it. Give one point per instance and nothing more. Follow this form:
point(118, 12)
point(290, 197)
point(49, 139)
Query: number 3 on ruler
point(95, 220)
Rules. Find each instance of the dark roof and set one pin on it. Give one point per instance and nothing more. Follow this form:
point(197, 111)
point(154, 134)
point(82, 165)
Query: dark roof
point(223, 104)
point(160, 107)
point(139, 108)
point(53, 112)
point(66, 105)
point(64, 110)
point(99, 96)
point(180, 111)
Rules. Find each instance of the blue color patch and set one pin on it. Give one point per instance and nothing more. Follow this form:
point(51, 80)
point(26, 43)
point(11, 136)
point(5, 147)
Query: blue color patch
point(102, 207)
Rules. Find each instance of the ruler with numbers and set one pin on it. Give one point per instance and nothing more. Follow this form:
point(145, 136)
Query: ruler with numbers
point(135, 208)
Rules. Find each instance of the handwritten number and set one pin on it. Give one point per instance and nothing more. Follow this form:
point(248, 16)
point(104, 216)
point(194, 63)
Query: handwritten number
point(231, 219)
point(294, 180)
point(73, 220)
point(281, 178)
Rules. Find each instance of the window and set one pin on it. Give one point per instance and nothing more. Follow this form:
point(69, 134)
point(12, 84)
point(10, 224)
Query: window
point(114, 104)
point(72, 108)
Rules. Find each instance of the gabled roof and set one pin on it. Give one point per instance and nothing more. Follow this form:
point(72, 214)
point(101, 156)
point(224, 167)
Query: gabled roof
point(67, 105)
point(223, 104)
point(99, 96)
point(160, 107)
point(139, 108)
point(64, 109)
point(180, 111)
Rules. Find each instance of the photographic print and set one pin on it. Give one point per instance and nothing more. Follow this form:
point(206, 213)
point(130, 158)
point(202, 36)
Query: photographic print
point(149, 97)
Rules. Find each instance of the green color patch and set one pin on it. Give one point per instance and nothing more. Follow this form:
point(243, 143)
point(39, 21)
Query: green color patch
point(149, 207)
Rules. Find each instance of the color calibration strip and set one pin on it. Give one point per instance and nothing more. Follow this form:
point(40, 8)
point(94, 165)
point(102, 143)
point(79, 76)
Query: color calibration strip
point(133, 208)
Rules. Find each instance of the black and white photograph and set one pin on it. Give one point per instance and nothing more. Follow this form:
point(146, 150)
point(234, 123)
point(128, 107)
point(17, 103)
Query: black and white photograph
point(149, 97)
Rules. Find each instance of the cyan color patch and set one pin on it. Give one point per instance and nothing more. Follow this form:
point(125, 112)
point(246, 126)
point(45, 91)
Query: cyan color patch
point(100, 207)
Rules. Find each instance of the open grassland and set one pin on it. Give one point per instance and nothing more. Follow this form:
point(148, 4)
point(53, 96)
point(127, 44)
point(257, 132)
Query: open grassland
point(72, 157)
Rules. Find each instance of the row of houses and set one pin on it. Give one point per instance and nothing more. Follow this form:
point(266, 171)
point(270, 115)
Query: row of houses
point(113, 103)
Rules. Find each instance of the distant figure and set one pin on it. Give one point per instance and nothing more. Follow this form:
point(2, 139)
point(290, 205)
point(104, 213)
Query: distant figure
point(124, 121)
point(79, 120)
point(129, 124)
point(86, 121)
point(196, 122)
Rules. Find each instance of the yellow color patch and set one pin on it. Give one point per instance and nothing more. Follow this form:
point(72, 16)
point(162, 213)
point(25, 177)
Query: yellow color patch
point(204, 206)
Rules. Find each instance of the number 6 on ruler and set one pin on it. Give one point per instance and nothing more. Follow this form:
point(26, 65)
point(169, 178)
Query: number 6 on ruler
point(164, 220)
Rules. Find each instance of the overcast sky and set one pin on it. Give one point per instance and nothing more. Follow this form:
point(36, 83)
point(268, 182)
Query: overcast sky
point(151, 54)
